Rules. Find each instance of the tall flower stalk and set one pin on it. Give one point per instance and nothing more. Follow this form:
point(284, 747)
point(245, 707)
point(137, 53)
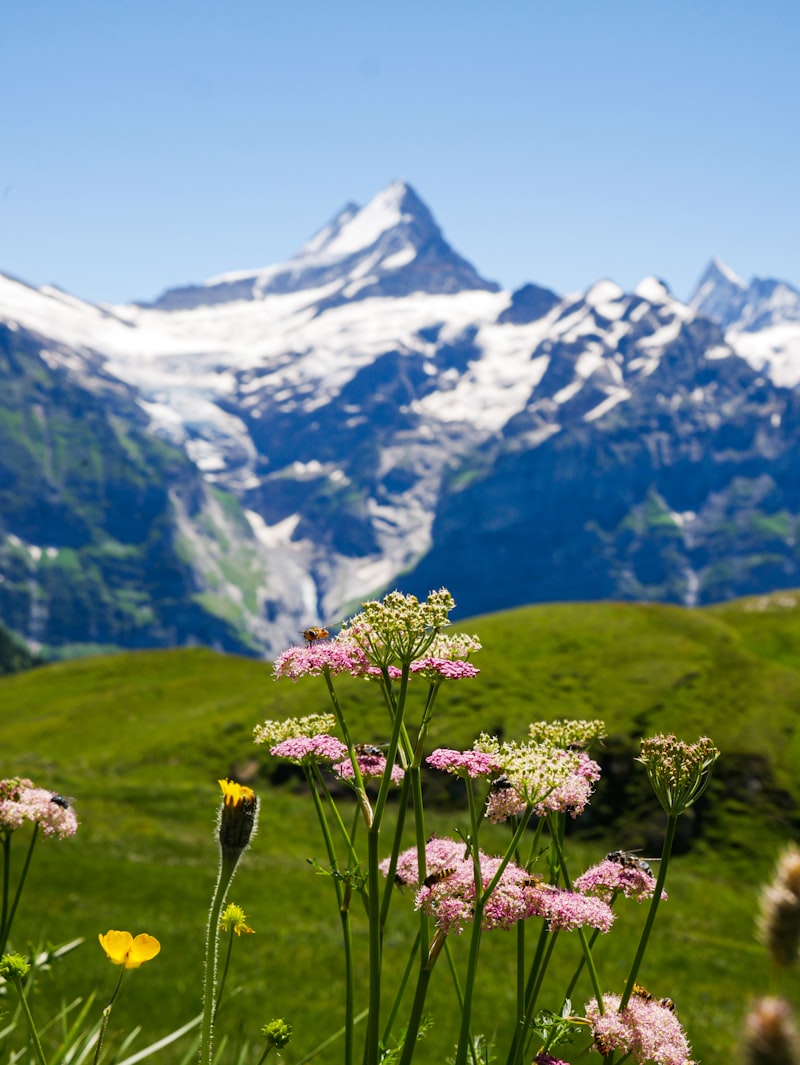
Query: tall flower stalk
point(236, 822)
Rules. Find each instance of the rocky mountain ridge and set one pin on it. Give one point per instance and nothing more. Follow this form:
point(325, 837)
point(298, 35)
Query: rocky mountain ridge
point(376, 413)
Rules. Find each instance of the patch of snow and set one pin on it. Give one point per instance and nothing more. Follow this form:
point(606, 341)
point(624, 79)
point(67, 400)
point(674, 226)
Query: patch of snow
point(616, 397)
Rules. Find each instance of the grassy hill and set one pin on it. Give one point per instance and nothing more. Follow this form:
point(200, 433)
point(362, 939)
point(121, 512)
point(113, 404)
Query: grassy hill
point(140, 739)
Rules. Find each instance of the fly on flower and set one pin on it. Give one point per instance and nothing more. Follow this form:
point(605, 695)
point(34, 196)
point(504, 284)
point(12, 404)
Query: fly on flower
point(63, 801)
point(314, 633)
point(438, 877)
point(629, 861)
point(372, 750)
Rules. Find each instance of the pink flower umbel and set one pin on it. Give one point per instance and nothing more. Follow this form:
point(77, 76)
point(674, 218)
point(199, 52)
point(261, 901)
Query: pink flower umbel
point(647, 1029)
point(331, 656)
point(304, 750)
point(21, 801)
point(370, 765)
point(275, 732)
point(438, 669)
point(464, 763)
point(609, 878)
point(440, 853)
point(568, 909)
point(551, 779)
point(447, 892)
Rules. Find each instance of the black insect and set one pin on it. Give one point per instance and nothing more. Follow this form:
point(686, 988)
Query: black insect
point(501, 783)
point(59, 800)
point(629, 861)
point(436, 878)
point(368, 749)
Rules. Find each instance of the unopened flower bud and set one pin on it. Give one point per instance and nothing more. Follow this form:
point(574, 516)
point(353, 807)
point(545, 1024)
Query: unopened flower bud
point(277, 1033)
point(13, 967)
point(679, 772)
point(237, 817)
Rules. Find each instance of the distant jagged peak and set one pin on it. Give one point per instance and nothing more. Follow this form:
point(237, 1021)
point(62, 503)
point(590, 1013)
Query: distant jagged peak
point(724, 297)
point(654, 290)
point(719, 294)
point(718, 268)
point(395, 207)
point(391, 246)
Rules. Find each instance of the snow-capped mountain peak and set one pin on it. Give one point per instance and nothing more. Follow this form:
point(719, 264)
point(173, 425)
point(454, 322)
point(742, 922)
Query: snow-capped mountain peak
point(390, 247)
point(719, 294)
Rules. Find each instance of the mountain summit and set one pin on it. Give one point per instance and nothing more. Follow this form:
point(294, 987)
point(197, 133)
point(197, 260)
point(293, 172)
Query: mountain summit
point(390, 247)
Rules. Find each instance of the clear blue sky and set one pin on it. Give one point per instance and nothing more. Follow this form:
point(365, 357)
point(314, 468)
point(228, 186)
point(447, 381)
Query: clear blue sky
point(151, 143)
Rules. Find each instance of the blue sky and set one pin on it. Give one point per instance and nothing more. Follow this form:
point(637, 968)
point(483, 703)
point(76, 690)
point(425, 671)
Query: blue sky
point(151, 143)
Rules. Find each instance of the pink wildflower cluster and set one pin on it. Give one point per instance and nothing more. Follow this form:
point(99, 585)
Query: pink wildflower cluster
point(646, 1029)
point(548, 1059)
point(463, 763)
point(21, 801)
point(554, 780)
point(370, 766)
point(343, 654)
point(324, 656)
point(447, 892)
point(609, 878)
point(438, 669)
point(302, 750)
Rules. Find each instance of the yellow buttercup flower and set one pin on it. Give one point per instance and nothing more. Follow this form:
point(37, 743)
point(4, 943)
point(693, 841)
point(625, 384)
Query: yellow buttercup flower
point(123, 949)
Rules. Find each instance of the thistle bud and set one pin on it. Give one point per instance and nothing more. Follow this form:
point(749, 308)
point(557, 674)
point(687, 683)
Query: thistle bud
point(771, 1035)
point(779, 919)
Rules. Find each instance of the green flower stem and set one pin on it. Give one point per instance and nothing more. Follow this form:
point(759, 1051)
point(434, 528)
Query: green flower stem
point(587, 952)
point(415, 1016)
point(227, 867)
point(343, 900)
point(533, 996)
point(666, 851)
point(391, 754)
point(9, 913)
point(264, 1053)
point(6, 886)
point(581, 963)
point(106, 1015)
point(518, 1040)
point(464, 1036)
point(313, 775)
point(371, 1042)
point(224, 976)
point(388, 887)
point(401, 987)
point(358, 780)
point(37, 1045)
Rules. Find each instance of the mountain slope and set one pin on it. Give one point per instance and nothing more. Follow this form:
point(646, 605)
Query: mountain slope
point(108, 536)
point(380, 412)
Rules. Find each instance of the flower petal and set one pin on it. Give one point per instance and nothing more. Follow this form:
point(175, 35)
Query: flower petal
point(116, 945)
point(143, 948)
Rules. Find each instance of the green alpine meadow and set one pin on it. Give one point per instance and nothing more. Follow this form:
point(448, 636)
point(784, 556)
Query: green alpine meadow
point(135, 744)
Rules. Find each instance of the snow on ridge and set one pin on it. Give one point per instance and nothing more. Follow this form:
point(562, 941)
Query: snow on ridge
point(360, 230)
point(727, 273)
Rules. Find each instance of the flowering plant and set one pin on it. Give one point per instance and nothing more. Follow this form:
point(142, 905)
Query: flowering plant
point(505, 869)
point(459, 887)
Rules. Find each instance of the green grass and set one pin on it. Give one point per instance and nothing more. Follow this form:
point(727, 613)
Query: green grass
point(140, 740)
